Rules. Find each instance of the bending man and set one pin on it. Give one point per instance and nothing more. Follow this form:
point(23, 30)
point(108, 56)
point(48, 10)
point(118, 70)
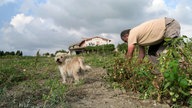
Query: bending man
point(151, 33)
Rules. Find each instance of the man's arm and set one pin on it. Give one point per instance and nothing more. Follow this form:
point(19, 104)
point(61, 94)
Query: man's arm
point(141, 53)
point(130, 51)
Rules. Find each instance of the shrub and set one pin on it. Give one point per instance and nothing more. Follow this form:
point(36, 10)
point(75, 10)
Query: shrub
point(173, 85)
point(122, 47)
point(175, 66)
point(108, 48)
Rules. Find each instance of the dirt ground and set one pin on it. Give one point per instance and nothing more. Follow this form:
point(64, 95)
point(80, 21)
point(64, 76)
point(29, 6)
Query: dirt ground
point(96, 93)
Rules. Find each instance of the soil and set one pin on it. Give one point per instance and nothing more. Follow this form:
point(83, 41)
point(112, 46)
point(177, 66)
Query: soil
point(95, 92)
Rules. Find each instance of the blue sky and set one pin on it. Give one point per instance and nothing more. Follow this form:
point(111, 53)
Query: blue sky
point(171, 3)
point(7, 11)
point(10, 8)
point(51, 25)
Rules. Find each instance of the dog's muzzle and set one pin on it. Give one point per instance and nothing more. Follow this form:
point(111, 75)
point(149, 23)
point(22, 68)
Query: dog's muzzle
point(58, 61)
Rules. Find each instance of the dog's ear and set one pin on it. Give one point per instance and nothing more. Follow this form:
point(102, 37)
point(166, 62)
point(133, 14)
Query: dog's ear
point(65, 56)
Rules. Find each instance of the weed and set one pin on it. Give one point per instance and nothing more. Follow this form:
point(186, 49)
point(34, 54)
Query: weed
point(173, 85)
point(176, 83)
point(27, 82)
point(55, 95)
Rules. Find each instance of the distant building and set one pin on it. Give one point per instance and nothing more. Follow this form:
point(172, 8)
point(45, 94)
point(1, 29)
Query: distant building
point(94, 41)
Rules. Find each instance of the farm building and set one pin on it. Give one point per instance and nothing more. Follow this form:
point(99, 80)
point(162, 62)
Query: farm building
point(94, 41)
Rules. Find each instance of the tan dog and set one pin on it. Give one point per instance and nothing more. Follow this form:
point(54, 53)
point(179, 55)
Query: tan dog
point(70, 66)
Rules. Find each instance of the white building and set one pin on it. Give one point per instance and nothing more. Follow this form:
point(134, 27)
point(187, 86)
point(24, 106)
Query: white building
point(94, 41)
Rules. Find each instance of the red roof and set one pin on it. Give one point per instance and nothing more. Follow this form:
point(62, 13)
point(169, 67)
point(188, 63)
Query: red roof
point(97, 37)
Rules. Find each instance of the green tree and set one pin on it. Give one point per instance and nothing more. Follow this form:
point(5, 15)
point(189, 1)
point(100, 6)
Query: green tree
point(63, 51)
point(108, 48)
point(122, 47)
point(19, 53)
point(2, 53)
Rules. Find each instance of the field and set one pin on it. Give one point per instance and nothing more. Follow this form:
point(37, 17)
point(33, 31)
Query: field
point(30, 82)
point(36, 82)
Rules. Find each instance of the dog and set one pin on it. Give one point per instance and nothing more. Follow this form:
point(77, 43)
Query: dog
point(70, 66)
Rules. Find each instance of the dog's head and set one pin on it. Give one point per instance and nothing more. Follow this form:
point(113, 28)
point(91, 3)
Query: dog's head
point(60, 57)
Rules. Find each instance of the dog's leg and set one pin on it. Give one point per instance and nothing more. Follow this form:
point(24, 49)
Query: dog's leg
point(76, 77)
point(63, 75)
point(64, 79)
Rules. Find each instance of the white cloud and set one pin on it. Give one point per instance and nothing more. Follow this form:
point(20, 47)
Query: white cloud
point(183, 13)
point(157, 5)
point(20, 21)
point(186, 30)
point(30, 34)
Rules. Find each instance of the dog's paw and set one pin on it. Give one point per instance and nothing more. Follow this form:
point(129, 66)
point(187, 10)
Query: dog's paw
point(64, 82)
point(87, 67)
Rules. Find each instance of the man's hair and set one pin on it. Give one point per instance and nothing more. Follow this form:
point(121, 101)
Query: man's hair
point(125, 32)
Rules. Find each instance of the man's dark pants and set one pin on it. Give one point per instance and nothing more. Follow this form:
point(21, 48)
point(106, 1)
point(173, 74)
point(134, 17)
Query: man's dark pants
point(172, 31)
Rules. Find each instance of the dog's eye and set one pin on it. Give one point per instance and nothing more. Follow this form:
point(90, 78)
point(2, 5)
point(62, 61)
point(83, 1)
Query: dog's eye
point(61, 56)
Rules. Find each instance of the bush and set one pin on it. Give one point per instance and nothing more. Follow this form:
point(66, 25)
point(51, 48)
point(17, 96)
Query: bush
point(122, 47)
point(175, 66)
point(108, 48)
point(173, 85)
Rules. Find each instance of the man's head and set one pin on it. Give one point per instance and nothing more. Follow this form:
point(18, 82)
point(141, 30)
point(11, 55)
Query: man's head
point(125, 34)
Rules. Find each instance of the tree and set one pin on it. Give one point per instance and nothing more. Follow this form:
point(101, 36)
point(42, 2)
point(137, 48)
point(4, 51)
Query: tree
point(122, 47)
point(46, 54)
point(38, 53)
point(63, 51)
point(19, 53)
point(108, 48)
point(2, 53)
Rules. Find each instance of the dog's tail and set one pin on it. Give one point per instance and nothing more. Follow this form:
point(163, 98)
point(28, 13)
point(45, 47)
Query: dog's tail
point(82, 65)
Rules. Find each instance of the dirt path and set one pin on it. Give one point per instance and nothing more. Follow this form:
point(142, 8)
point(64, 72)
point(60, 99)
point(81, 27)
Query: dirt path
point(96, 93)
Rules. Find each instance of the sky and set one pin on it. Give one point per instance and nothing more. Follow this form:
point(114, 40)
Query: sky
point(52, 25)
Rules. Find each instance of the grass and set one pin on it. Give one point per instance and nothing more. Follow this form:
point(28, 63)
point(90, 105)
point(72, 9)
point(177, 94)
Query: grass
point(30, 82)
point(172, 86)
point(36, 81)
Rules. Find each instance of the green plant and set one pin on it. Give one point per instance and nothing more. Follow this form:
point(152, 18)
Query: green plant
point(132, 75)
point(24, 81)
point(10, 76)
point(122, 47)
point(176, 83)
point(55, 95)
point(108, 48)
